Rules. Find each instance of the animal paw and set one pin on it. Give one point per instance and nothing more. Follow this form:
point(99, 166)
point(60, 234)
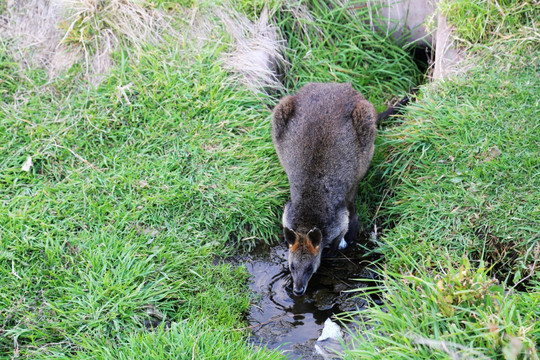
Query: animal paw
point(342, 244)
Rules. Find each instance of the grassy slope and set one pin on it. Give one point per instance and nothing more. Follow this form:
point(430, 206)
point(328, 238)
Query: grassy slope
point(461, 275)
point(466, 223)
point(466, 165)
point(127, 203)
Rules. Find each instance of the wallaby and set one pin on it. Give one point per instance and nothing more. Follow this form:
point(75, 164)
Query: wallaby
point(324, 137)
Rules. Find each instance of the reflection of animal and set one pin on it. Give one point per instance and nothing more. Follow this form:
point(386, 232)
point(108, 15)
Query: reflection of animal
point(324, 139)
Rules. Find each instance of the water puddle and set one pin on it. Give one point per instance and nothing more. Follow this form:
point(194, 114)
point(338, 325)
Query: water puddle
point(280, 320)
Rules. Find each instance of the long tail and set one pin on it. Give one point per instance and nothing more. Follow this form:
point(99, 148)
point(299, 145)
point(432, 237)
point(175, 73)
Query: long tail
point(396, 108)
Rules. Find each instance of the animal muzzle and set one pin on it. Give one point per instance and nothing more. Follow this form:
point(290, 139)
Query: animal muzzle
point(299, 291)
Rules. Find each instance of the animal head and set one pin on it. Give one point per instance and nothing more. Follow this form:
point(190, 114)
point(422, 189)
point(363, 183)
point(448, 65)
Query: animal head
point(304, 256)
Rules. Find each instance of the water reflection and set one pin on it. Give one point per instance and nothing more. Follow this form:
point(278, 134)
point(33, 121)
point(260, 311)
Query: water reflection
point(293, 324)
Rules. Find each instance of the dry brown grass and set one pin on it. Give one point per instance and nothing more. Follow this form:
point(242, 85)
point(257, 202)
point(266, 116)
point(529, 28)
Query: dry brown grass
point(32, 27)
point(55, 34)
point(257, 53)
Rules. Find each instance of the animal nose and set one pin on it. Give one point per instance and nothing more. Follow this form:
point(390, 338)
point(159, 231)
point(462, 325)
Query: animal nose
point(300, 292)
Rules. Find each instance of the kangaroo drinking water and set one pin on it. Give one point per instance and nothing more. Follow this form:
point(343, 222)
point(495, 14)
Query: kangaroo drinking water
point(324, 137)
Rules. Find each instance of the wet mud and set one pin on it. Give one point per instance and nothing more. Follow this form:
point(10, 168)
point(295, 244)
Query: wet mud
point(292, 324)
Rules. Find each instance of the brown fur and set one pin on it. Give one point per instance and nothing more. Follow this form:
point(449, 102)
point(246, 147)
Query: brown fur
point(324, 138)
point(303, 245)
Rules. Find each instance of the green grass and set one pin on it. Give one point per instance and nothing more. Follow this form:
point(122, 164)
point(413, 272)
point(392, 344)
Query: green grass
point(466, 169)
point(450, 312)
point(139, 184)
point(485, 21)
point(134, 189)
point(10, 81)
point(462, 240)
point(136, 186)
point(329, 44)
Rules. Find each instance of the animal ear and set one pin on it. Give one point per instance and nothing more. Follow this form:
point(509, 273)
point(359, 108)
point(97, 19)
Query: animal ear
point(315, 236)
point(290, 235)
point(281, 115)
point(364, 119)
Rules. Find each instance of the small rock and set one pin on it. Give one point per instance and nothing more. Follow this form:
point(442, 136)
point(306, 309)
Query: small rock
point(328, 345)
point(27, 164)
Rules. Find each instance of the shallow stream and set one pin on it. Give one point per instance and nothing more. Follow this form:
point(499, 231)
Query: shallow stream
point(279, 319)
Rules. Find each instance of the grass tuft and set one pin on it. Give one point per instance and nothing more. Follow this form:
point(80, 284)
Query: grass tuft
point(461, 312)
point(98, 27)
point(258, 50)
point(483, 21)
point(94, 24)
